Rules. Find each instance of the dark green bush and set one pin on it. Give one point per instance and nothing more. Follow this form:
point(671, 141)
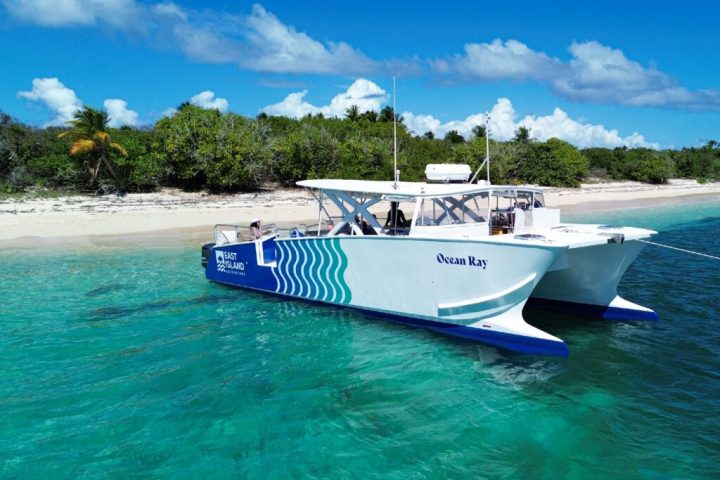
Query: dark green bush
point(645, 165)
point(554, 162)
point(208, 149)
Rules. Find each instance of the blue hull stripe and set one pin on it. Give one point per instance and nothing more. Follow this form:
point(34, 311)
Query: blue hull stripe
point(516, 343)
point(592, 311)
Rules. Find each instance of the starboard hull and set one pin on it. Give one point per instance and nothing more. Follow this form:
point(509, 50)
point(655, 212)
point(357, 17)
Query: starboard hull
point(583, 281)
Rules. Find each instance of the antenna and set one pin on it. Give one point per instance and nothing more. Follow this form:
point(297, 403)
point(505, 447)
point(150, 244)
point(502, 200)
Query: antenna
point(396, 173)
point(487, 144)
point(485, 162)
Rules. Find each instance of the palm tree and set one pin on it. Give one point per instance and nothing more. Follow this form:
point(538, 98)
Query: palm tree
point(370, 115)
point(454, 137)
point(478, 131)
point(522, 135)
point(387, 114)
point(89, 137)
point(352, 113)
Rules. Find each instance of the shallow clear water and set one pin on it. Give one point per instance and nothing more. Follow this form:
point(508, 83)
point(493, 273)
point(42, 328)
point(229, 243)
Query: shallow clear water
point(125, 362)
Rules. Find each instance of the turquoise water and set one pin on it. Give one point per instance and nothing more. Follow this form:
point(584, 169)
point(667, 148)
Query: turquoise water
point(124, 362)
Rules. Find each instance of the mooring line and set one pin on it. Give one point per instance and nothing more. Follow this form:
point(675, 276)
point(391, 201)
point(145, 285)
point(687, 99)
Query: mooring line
point(680, 249)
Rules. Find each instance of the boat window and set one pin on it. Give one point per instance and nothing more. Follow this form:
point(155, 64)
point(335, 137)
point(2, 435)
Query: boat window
point(453, 210)
point(511, 199)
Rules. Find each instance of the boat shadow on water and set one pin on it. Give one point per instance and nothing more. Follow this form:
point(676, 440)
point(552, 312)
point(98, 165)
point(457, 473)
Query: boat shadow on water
point(114, 312)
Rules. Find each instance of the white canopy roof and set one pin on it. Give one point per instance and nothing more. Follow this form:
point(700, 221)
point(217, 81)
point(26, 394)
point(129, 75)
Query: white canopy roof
point(407, 189)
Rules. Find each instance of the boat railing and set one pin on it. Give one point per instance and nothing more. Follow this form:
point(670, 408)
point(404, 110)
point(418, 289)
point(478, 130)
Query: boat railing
point(395, 231)
point(304, 230)
point(228, 233)
point(232, 233)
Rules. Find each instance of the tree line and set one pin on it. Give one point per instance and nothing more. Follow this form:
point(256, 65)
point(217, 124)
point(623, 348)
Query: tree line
point(198, 149)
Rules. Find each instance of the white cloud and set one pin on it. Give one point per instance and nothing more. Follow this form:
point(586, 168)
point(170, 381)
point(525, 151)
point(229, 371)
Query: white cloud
point(199, 41)
point(60, 13)
point(363, 93)
point(63, 103)
point(59, 99)
point(583, 135)
point(119, 113)
point(258, 41)
point(293, 106)
point(169, 9)
point(498, 60)
point(208, 100)
point(419, 124)
point(595, 73)
point(606, 75)
point(277, 47)
point(503, 125)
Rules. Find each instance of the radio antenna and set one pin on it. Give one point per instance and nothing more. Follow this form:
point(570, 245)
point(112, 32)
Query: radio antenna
point(396, 173)
point(487, 145)
point(485, 162)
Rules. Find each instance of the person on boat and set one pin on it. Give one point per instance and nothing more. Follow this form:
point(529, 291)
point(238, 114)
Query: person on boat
point(395, 217)
point(256, 229)
point(364, 225)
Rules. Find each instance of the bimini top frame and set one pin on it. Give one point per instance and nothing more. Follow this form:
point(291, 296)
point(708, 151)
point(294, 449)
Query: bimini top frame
point(354, 198)
point(408, 190)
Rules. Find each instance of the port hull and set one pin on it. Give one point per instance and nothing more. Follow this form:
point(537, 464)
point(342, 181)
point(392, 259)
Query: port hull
point(469, 289)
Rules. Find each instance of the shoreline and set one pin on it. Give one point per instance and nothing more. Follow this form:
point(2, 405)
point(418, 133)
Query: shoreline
point(641, 202)
point(172, 214)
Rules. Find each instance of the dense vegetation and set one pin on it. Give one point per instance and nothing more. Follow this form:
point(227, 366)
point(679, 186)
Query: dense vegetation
point(206, 149)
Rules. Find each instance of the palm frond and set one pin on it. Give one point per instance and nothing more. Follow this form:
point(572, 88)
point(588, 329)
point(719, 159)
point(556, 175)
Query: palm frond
point(81, 146)
point(87, 121)
point(119, 149)
point(102, 136)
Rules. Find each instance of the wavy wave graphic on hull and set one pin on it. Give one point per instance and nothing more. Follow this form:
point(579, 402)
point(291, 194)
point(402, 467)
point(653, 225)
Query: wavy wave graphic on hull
point(313, 269)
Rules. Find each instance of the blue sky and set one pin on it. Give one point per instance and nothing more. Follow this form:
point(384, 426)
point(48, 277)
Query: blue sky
point(642, 73)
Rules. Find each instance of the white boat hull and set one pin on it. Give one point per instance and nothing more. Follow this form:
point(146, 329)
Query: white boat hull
point(584, 280)
point(467, 288)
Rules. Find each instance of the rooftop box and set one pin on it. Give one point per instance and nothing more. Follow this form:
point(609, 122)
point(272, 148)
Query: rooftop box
point(448, 172)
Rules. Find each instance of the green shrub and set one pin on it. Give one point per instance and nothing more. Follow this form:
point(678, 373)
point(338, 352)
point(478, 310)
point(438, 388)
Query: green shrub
point(554, 162)
point(204, 148)
point(645, 165)
point(56, 170)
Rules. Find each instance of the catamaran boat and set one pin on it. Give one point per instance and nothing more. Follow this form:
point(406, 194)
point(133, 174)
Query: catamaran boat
point(464, 261)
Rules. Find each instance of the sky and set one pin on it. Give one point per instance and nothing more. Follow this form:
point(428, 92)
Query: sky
point(607, 74)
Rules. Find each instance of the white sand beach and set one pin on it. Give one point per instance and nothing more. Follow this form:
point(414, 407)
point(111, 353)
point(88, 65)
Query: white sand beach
point(88, 217)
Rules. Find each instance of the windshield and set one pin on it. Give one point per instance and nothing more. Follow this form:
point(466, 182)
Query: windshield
point(453, 210)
